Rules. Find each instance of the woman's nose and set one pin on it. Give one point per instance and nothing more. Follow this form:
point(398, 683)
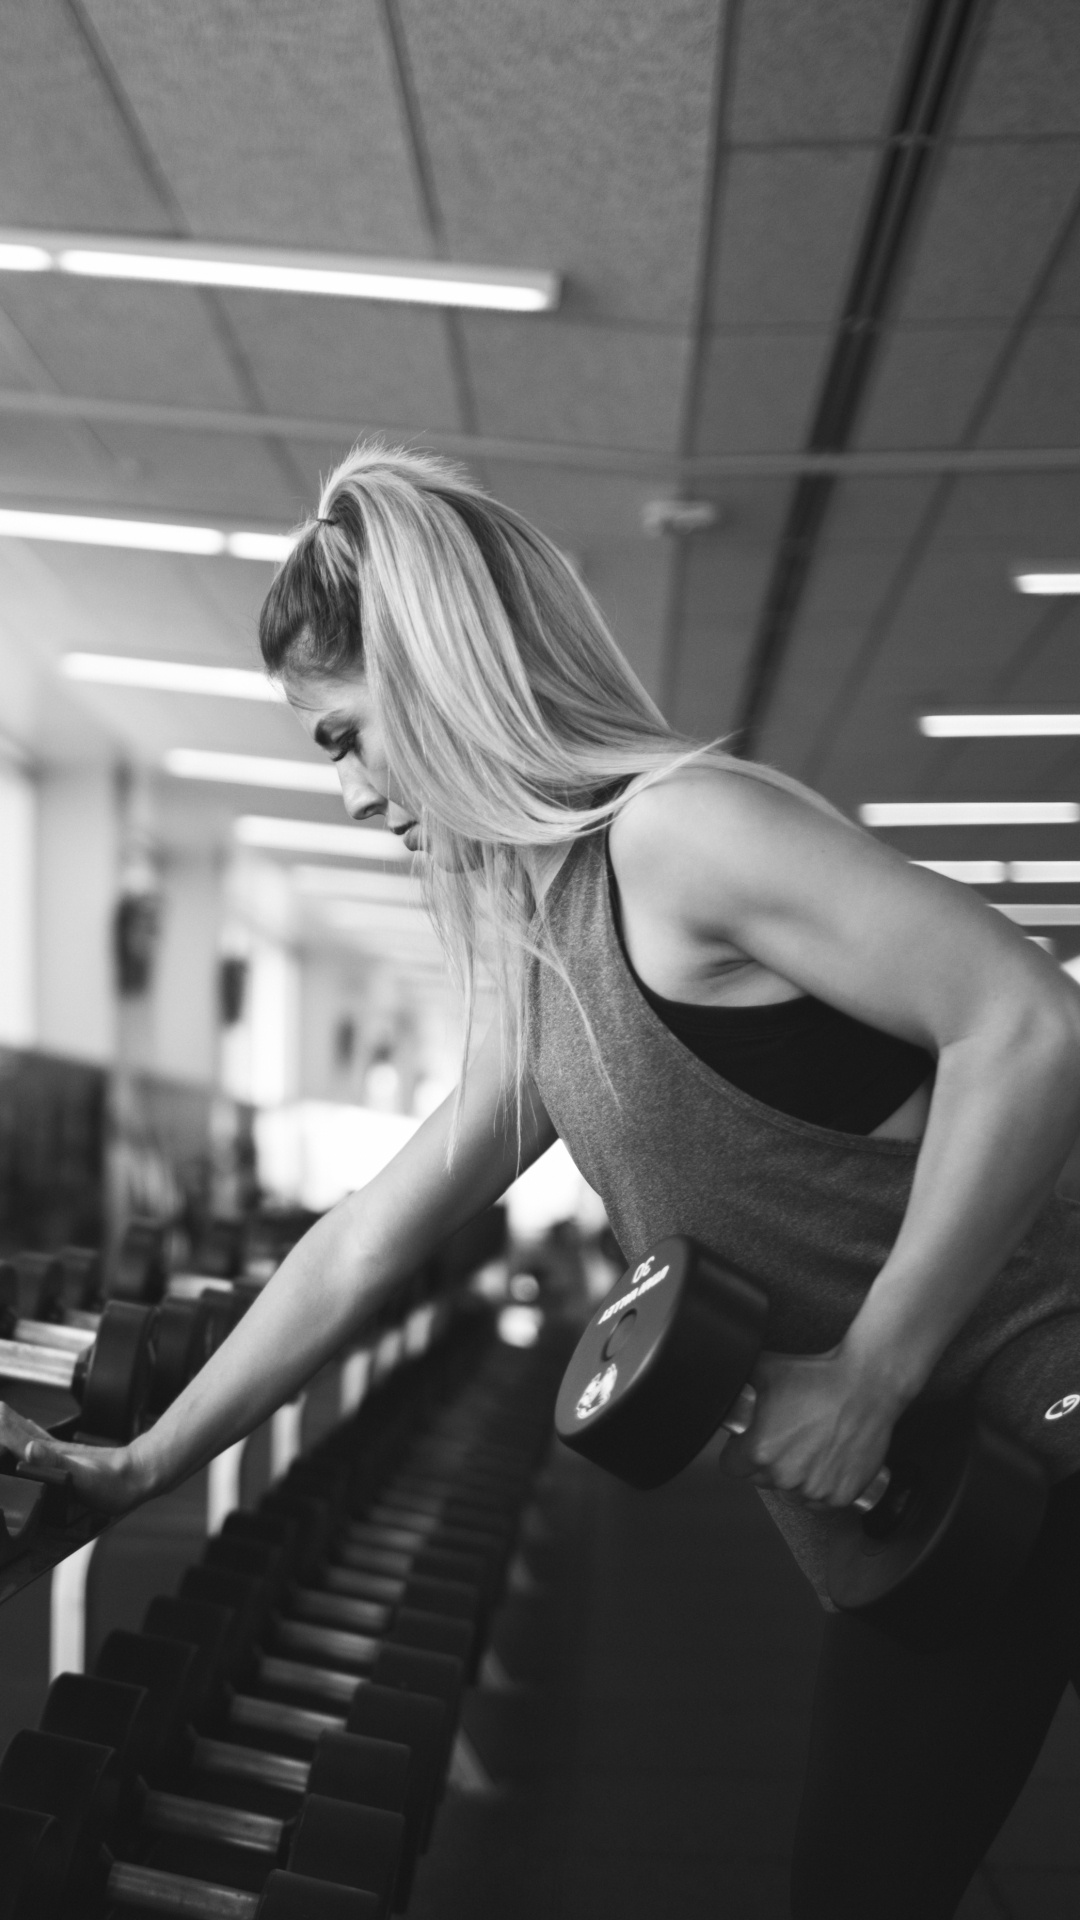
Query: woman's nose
point(361, 799)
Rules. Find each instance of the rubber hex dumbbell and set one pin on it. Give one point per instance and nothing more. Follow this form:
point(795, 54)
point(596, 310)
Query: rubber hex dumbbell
point(46, 1775)
point(665, 1361)
point(385, 1708)
point(145, 1718)
point(110, 1377)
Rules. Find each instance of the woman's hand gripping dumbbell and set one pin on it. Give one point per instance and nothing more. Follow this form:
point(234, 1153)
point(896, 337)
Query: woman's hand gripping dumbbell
point(665, 1362)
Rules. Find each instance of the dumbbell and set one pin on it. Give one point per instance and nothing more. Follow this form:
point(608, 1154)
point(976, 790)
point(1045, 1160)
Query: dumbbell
point(385, 1754)
point(370, 1775)
point(110, 1376)
point(941, 1533)
point(217, 1617)
point(68, 1781)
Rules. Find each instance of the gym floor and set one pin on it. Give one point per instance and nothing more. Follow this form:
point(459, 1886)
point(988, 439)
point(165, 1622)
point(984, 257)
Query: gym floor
point(640, 1733)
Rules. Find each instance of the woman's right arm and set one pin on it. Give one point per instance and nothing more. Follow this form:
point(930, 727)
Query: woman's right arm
point(324, 1290)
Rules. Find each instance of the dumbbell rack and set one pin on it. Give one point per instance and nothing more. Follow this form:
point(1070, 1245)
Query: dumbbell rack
point(465, 1395)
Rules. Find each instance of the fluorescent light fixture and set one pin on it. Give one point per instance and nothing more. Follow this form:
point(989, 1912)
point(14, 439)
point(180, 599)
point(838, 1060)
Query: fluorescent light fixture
point(969, 813)
point(344, 883)
point(152, 536)
point(991, 726)
point(1041, 873)
point(1059, 580)
point(251, 770)
point(1061, 914)
point(17, 257)
point(197, 263)
point(169, 676)
point(974, 873)
point(88, 530)
point(259, 546)
point(313, 836)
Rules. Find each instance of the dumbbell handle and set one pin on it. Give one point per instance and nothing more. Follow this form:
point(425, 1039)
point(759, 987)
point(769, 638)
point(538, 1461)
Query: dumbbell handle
point(204, 1820)
point(146, 1887)
point(42, 1366)
point(741, 1413)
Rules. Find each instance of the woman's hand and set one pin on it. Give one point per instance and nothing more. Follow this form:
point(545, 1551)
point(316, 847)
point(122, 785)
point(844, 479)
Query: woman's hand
point(820, 1428)
point(106, 1478)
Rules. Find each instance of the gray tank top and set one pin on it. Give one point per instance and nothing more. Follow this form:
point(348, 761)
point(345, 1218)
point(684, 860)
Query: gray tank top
point(808, 1212)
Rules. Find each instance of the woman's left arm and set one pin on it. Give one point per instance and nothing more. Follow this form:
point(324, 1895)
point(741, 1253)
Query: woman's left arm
point(824, 906)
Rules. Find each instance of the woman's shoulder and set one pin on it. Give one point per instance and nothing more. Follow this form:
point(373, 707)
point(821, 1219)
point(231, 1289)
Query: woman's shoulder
point(704, 810)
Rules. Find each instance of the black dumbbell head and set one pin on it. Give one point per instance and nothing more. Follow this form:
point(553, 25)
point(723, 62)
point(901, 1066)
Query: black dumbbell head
point(660, 1363)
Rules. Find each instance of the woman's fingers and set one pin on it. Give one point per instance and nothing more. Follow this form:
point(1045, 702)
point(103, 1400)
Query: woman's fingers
point(16, 1431)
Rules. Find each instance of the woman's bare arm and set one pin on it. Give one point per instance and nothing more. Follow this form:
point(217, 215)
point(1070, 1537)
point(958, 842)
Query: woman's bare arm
point(736, 863)
point(323, 1291)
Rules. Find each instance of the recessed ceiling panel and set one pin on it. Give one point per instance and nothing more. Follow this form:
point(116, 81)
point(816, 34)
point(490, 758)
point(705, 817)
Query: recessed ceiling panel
point(575, 508)
point(925, 385)
point(758, 390)
point(631, 579)
point(573, 135)
point(817, 69)
point(1016, 516)
point(1027, 80)
point(45, 460)
point(273, 122)
point(352, 360)
point(595, 385)
point(822, 654)
point(788, 224)
point(996, 210)
point(872, 510)
point(65, 155)
point(202, 473)
point(125, 342)
point(1039, 401)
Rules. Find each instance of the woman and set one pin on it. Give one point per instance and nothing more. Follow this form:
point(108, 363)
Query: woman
point(750, 1022)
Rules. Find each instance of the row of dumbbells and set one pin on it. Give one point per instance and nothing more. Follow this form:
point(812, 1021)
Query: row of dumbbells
point(276, 1739)
point(122, 1361)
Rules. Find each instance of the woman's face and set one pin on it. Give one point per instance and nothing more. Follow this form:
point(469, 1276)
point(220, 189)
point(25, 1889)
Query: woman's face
point(339, 716)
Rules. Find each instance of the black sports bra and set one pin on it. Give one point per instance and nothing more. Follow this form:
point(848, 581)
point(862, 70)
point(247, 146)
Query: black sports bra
point(801, 1056)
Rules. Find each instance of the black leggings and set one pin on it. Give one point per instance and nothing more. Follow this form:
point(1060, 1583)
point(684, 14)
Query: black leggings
point(916, 1759)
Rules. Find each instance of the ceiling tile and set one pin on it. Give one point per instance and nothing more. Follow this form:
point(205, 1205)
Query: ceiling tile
point(721, 597)
point(1048, 668)
point(575, 509)
point(271, 121)
point(788, 224)
point(1027, 80)
point(19, 367)
point(352, 360)
point(871, 510)
point(106, 600)
point(585, 385)
point(996, 211)
point(817, 69)
point(49, 460)
point(233, 475)
point(1015, 516)
point(1039, 401)
point(846, 584)
point(758, 391)
point(65, 155)
point(821, 654)
point(574, 135)
point(631, 579)
point(925, 385)
point(1062, 296)
point(114, 341)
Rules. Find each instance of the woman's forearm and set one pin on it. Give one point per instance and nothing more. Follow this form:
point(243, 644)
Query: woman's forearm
point(316, 1299)
point(1004, 1114)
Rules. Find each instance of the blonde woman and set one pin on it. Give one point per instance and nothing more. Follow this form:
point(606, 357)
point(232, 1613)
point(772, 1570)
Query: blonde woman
point(750, 1022)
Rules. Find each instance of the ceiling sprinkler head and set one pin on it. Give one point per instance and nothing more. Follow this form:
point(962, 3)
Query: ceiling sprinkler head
point(679, 516)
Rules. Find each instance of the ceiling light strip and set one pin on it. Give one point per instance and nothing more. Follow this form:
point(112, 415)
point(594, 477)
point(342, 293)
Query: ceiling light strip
point(1063, 581)
point(169, 676)
point(150, 536)
point(267, 832)
point(279, 270)
point(969, 813)
point(992, 726)
point(251, 770)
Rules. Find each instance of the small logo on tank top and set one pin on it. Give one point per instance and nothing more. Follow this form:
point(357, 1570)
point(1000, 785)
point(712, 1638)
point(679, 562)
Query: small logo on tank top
point(1067, 1404)
point(598, 1392)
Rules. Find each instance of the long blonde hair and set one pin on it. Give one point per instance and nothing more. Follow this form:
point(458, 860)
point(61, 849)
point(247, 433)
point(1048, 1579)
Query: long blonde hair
point(508, 711)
